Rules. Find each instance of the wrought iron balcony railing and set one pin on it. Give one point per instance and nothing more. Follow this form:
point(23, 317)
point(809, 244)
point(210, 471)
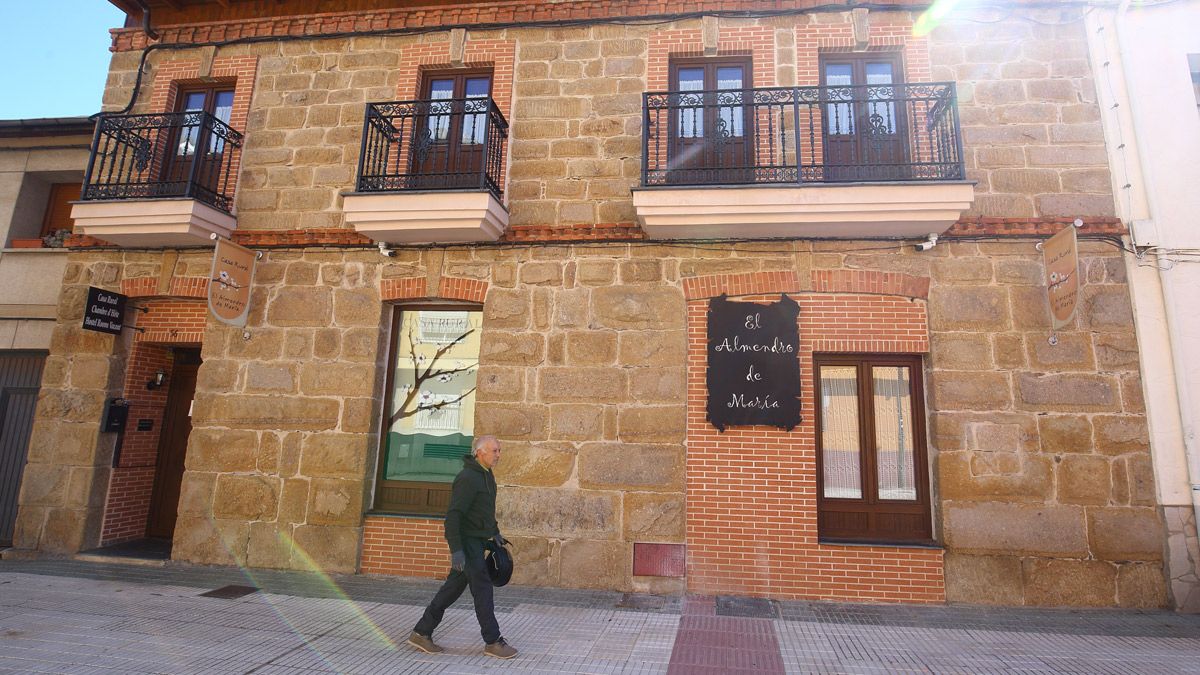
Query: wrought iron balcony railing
point(895, 132)
point(441, 144)
point(185, 154)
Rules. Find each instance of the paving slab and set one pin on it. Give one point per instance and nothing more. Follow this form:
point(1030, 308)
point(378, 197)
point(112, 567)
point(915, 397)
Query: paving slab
point(78, 616)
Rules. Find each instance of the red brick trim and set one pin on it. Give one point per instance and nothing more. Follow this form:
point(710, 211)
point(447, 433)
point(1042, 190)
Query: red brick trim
point(408, 288)
point(579, 232)
point(173, 321)
point(189, 287)
point(756, 551)
point(1034, 227)
point(85, 241)
point(749, 283)
point(757, 41)
point(141, 287)
point(293, 238)
point(456, 288)
point(865, 281)
point(181, 287)
point(252, 21)
point(499, 55)
point(407, 547)
point(965, 227)
point(813, 39)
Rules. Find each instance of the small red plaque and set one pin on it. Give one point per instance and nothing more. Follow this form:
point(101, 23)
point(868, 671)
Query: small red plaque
point(659, 560)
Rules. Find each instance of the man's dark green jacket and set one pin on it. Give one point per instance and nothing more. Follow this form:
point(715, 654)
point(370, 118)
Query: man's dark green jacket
point(472, 511)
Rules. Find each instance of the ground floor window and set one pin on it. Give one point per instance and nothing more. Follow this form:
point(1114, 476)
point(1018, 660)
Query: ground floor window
point(429, 407)
point(872, 469)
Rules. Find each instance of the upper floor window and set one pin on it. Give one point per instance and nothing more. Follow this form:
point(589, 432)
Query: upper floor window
point(430, 407)
point(216, 100)
point(448, 150)
point(872, 466)
point(710, 125)
point(864, 116)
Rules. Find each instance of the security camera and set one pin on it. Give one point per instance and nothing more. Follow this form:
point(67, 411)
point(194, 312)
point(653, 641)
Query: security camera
point(928, 243)
point(385, 251)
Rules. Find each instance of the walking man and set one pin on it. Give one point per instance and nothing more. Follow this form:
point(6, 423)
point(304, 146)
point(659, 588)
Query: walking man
point(470, 522)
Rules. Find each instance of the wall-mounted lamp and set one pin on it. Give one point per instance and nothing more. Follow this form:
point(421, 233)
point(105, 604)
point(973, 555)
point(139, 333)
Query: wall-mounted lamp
point(157, 381)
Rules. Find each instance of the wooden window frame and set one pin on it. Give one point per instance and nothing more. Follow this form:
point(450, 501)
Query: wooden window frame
point(869, 504)
point(432, 492)
point(210, 91)
point(677, 144)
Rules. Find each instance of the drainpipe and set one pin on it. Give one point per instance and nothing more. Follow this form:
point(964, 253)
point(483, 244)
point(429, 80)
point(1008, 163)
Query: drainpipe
point(1183, 396)
point(150, 32)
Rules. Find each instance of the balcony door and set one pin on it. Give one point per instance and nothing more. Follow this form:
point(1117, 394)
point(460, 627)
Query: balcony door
point(864, 126)
point(195, 150)
point(710, 127)
point(449, 139)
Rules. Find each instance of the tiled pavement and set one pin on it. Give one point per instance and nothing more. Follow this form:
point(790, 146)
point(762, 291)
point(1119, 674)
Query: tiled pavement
point(66, 616)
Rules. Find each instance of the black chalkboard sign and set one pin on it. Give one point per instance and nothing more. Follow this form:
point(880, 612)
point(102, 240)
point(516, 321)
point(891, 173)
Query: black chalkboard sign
point(753, 363)
point(105, 311)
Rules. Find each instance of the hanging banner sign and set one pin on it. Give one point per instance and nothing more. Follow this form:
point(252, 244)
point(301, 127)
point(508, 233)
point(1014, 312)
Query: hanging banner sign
point(753, 363)
point(229, 283)
point(1060, 254)
point(104, 312)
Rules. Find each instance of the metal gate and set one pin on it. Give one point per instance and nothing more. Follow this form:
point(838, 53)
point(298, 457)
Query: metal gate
point(20, 377)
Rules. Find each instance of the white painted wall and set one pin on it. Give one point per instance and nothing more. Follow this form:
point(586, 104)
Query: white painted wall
point(1140, 54)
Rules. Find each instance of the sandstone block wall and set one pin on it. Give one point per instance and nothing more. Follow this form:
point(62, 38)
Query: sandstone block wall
point(1043, 492)
point(1026, 100)
point(1039, 456)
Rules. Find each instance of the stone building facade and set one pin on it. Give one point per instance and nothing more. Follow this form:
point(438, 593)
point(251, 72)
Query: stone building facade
point(1033, 458)
point(41, 168)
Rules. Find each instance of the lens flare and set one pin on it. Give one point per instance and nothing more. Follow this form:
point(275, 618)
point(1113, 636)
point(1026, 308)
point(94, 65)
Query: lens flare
point(932, 17)
point(329, 589)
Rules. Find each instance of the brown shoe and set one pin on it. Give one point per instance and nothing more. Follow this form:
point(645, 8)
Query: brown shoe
point(425, 644)
point(500, 649)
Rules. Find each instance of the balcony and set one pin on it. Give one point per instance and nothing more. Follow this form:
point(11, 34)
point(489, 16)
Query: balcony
point(846, 161)
point(159, 180)
point(430, 171)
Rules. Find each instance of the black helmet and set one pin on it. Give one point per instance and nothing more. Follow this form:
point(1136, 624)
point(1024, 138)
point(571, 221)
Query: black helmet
point(499, 564)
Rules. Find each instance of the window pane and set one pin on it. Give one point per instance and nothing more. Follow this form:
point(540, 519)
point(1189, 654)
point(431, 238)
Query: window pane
point(730, 119)
point(477, 86)
point(839, 114)
point(882, 113)
point(439, 124)
point(473, 124)
point(222, 110)
point(432, 417)
point(691, 114)
point(194, 101)
point(840, 450)
point(223, 106)
point(894, 433)
point(879, 73)
point(729, 77)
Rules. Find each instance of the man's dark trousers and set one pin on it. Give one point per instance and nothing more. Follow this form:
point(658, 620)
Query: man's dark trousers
point(474, 575)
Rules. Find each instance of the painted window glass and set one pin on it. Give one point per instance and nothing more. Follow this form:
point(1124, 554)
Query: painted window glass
point(872, 464)
point(430, 410)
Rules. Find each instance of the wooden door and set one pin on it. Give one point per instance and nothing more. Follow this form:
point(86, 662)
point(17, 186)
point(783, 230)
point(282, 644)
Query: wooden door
point(710, 128)
point(864, 121)
point(193, 148)
point(449, 139)
point(172, 444)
